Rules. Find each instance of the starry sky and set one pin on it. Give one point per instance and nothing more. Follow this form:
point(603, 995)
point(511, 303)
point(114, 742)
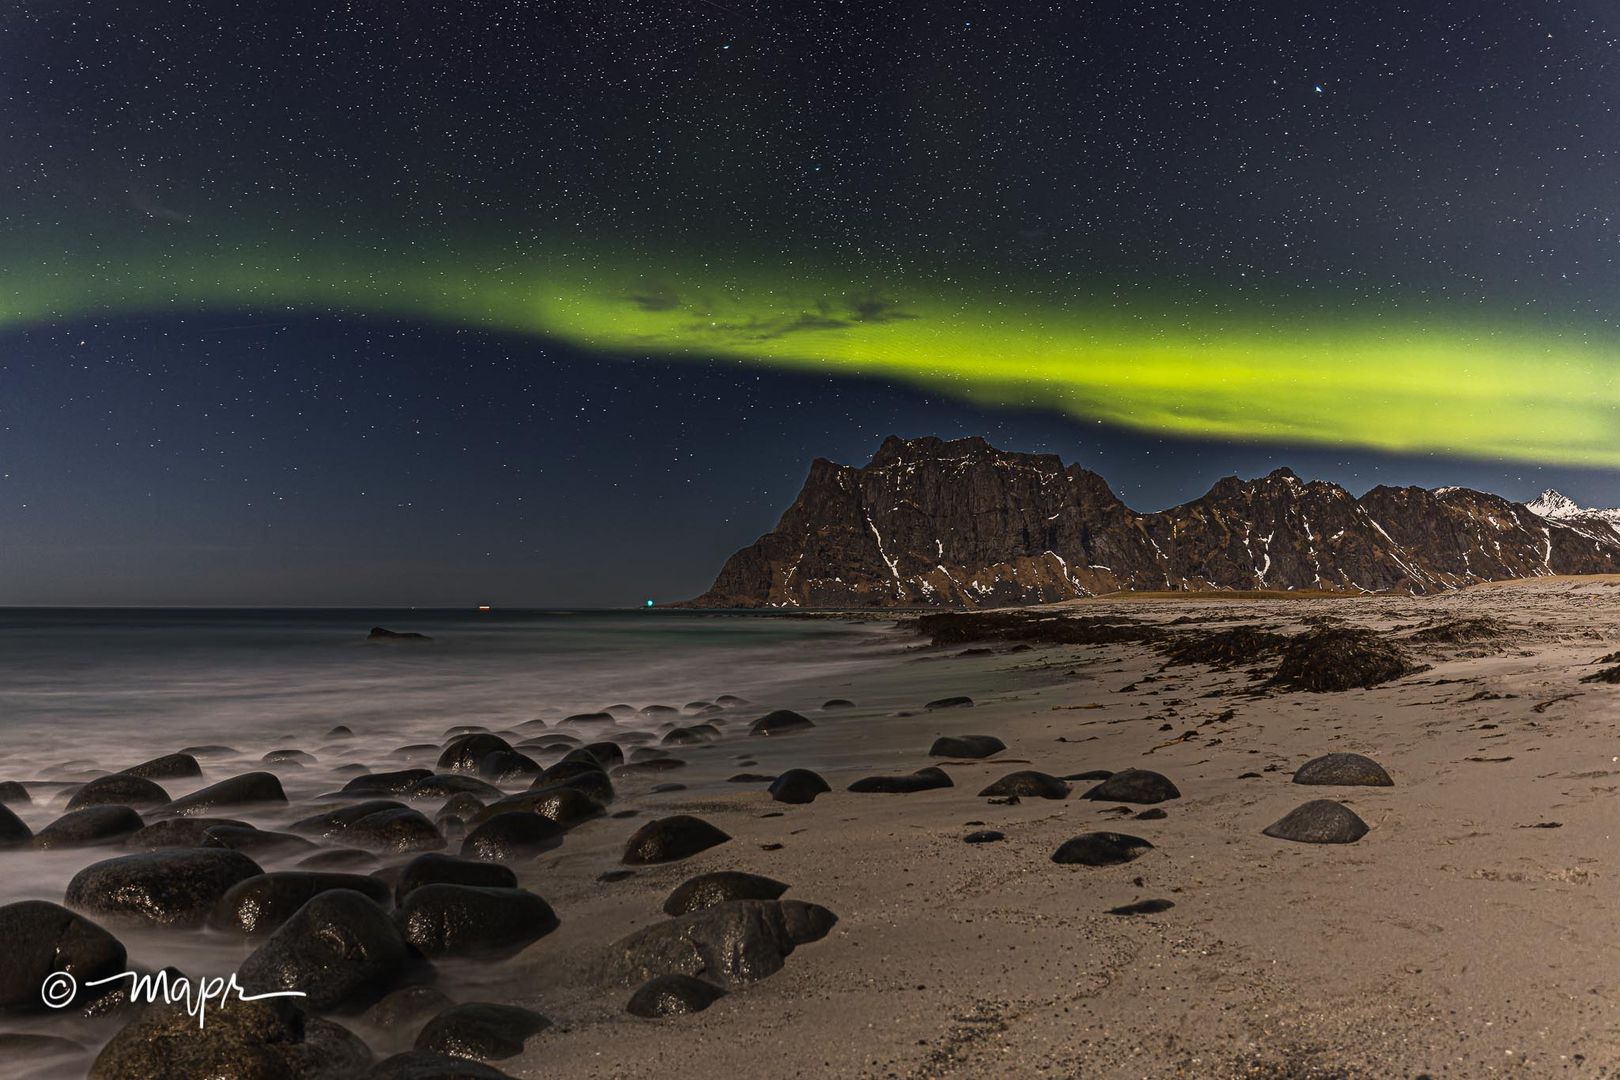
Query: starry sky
point(551, 304)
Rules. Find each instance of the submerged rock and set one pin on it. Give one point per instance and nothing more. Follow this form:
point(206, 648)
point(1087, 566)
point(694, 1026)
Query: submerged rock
point(966, 746)
point(14, 832)
point(334, 823)
point(434, 869)
point(780, 722)
point(481, 1031)
point(167, 767)
point(1028, 784)
point(1320, 821)
point(118, 790)
point(176, 833)
point(464, 752)
point(165, 888)
point(1101, 849)
point(444, 920)
point(798, 786)
point(261, 904)
point(14, 794)
point(339, 949)
point(89, 827)
point(672, 995)
point(1134, 786)
point(43, 938)
point(1343, 770)
point(707, 890)
point(924, 779)
point(243, 790)
point(671, 838)
point(397, 782)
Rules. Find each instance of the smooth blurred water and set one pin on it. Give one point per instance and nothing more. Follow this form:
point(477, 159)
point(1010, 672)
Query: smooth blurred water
point(114, 684)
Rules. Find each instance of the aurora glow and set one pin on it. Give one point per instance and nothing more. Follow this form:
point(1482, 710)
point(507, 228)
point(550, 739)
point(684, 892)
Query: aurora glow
point(1465, 388)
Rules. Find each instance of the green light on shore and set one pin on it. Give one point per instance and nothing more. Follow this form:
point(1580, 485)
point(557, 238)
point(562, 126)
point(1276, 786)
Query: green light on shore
point(649, 603)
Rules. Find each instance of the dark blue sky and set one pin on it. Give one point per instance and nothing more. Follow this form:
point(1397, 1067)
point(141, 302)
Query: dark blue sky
point(332, 461)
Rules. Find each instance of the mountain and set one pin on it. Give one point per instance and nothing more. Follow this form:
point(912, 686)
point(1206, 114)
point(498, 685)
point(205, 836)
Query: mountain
point(1555, 506)
point(929, 522)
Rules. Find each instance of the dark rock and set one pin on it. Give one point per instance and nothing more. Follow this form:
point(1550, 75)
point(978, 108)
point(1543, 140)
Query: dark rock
point(381, 634)
point(464, 752)
point(670, 838)
point(463, 807)
point(649, 768)
point(434, 869)
point(707, 890)
point(1150, 815)
point(1101, 849)
point(684, 736)
point(659, 711)
point(798, 786)
point(386, 783)
point(730, 944)
point(339, 949)
point(118, 790)
point(567, 806)
point(924, 779)
point(1344, 770)
point(780, 722)
point(334, 823)
point(399, 830)
point(176, 833)
point(89, 827)
point(837, 703)
point(41, 939)
point(443, 785)
point(513, 835)
point(664, 789)
point(505, 766)
point(1028, 784)
point(1094, 774)
point(1320, 821)
point(480, 1031)
point(984, 836)
point(288, 757)
point(14, 832)
point(586, 719)
point(420, 1065)
point(1142, 907)
point(337, 859)
point(261, 904)
point(1134, 786)
point(957, 702)
point(605, 754)
point(673, 995)
point(750, 778)
point(242, 1040)
point(251, 841)
point(966, 746)
point(406, 1009)
point(167, 767)
point(243, 790)
point(14, 794)
point(165, 888)
point(442, 919)
point(731, 701)
point(339, 731)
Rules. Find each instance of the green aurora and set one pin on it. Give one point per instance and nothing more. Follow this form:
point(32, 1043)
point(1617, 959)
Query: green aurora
point(1463, 387)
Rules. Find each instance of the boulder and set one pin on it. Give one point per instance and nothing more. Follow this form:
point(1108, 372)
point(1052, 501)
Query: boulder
point(731, 944)
point(672, 995)
point(924, 779)
point(780, 722)
point(671, 838)
point(395, 830)
point(1320, 821)
point(43, 938)
point(1134, 786)
point(14, 794)
point(243, 790)
point(1027, 784)
point(506, 766)
point(435, 869)
point(1101, 849)
point(1343, 770)
point(118, 790)
point(514, 835)
point(167, 767)
point(421, 1065)
point(966, 746)
point(481, 1031)
point(442, 785)
point(270, 1039)
point(958, 702)
point(340, 949)
point(176, 833)
point(334, 823)
point(445, 920)
point(397, 782)
point(707, 890)
point(405, 1010)
point(251, 841)
point(798, 786)
point(261, 904)
point(566, 806)
point(464, 752)
point(94, 825)
point(164, 888)
point(14, 832)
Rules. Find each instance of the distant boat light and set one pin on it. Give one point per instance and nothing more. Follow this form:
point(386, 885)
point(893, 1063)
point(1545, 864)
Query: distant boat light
point(483, 607)
point(649, 603)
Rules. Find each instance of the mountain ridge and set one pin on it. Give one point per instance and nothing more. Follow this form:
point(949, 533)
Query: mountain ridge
point(929, 522)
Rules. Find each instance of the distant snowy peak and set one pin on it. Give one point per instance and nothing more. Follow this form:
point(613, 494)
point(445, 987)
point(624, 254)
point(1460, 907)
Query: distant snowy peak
point(1556, 506)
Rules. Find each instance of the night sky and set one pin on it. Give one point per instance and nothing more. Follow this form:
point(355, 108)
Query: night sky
point(552, 304)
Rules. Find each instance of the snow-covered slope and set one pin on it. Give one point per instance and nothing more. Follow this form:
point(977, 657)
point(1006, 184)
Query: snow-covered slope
point(1556, 506)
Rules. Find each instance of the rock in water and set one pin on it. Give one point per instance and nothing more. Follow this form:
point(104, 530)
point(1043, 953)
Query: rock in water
point(253, 787)
point(446, 920)
point(671, 838)
point(966, 746)
point(397, 782)
point(780, 722)
point(395, 830)
point(382, 634)
point(731, 944)
point(707, 890)
point(1343, 770)
point(14, 794)
point(1101, 849)
point(14, 832)
point(165, 888)
point(1320, 821)
point(43, 938)
point(464, 753)
point(510, 836)
point(88, 827)
point(167, 767)
point(339, 949)
point(434, 869)
point(406, 1009)
point(673, 995)
point(563, 804)
point(798, 786)
point(480, 1031)
point(334, 823)
point(259, 905)
point(1134, 786)
point(1028, 784)
point(421, 1065)
point(924, 779)
point(242, 1040)
point(118, 790)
